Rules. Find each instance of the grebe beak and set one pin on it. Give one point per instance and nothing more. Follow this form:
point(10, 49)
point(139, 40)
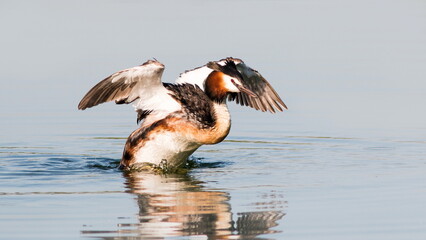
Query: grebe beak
point(244, 89)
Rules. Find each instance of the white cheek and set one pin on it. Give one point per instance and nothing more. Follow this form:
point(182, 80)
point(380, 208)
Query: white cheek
point(229, 85)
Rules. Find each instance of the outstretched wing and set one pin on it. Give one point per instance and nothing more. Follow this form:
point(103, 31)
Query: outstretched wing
point(267, 98)
point(139, 85)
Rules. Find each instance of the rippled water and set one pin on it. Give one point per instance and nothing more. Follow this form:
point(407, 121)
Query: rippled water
point(248, 187)
point(346, 161)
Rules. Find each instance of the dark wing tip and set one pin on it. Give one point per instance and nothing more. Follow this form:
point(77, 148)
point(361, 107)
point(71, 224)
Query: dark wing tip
point(85, 103)
point(284, 106)
point(81, 106)
point(94, 97)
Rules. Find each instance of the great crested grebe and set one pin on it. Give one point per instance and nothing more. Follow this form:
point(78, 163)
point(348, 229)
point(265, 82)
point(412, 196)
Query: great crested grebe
point(177, 118)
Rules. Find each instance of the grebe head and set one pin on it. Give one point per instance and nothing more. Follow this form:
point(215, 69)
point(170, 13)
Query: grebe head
point(223, 80)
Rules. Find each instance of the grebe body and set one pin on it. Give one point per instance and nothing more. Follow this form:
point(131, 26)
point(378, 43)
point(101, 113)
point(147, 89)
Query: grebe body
point(176, 119)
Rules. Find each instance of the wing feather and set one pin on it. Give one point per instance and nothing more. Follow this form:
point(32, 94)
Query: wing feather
point(140, 85)
point(124, 85)
point(268, 98)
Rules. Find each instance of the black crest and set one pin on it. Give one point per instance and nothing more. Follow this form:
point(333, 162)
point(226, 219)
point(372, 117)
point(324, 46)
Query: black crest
point(230, 68)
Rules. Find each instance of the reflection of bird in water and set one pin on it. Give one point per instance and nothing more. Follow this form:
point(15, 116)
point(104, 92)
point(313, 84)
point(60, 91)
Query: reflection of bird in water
point(176, 205)
point(178, 118)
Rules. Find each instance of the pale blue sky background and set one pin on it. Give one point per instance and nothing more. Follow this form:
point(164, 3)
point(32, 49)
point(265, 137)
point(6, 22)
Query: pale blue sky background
point(342, 67)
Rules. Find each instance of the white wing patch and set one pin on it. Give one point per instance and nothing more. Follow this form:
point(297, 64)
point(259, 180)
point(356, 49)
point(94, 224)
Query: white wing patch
point(195, 76)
